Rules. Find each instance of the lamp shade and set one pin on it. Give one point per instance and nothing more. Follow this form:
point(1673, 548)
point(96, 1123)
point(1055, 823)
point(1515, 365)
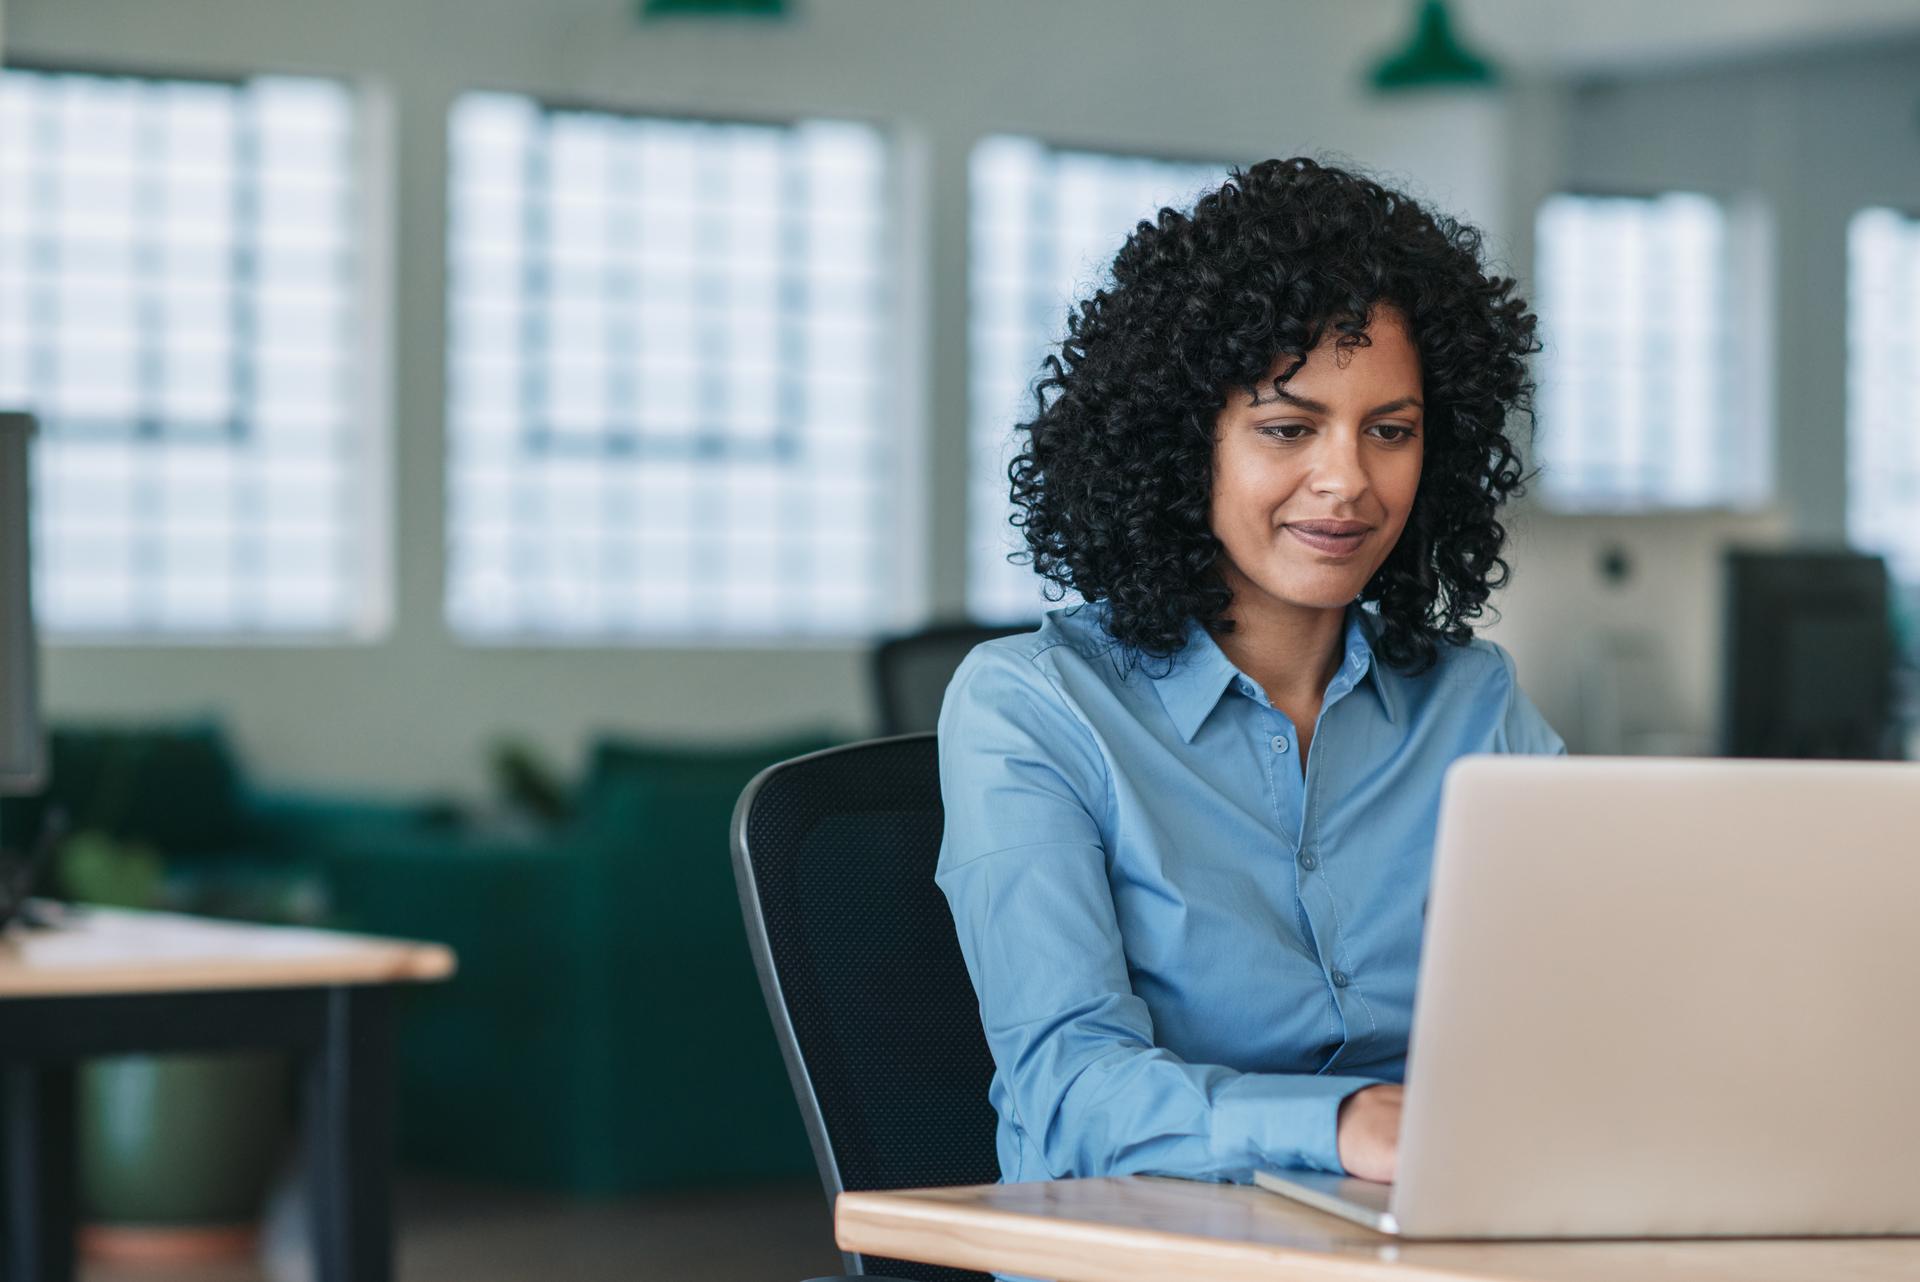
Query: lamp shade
point(1433, 57)
point(712, 9)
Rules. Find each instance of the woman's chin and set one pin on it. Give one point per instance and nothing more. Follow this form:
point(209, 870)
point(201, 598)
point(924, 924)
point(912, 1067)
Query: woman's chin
point(1316, 592)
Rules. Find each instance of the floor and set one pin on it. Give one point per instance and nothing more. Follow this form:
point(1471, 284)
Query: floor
point(464, 1233)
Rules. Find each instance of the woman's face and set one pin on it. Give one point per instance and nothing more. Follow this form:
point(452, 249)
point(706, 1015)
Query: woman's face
point(1312, 484)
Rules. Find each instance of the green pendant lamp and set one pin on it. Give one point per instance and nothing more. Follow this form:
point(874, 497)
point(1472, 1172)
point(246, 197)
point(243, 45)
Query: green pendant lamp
point(712, 9)
point(1433, 58)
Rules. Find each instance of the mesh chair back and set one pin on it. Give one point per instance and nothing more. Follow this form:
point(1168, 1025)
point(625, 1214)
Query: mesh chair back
point(910, 673)
point(834, 857)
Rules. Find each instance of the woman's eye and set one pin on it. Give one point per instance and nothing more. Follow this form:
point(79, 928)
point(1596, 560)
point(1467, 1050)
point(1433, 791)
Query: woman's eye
point(1403, 433)
point(1285, 431)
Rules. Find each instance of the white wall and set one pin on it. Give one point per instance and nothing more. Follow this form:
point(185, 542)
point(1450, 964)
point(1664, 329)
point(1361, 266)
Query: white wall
point(1565, 37)
point(1246, 78)
point(1563, 608)
point(1814, 136)
point(1239, 77)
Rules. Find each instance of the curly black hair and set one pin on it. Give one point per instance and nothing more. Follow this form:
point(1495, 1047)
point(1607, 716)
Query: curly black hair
point(1112, 487)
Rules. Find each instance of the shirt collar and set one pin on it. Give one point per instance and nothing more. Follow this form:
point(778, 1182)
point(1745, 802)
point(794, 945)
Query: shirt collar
point(1201, 672)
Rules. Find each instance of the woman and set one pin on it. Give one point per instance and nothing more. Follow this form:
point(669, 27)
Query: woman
point(1189, 823)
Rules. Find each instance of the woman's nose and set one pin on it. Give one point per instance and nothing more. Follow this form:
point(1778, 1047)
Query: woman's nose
point(1339, 471)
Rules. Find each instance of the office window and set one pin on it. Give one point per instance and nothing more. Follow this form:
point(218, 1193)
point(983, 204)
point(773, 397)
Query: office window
point(668, 417)
point(1045, 225)
point(1883, 387)
point(1650, 382)
point(179, 303)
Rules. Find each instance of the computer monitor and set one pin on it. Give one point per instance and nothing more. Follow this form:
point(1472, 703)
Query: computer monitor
point(22, 738)
point(1809, 656)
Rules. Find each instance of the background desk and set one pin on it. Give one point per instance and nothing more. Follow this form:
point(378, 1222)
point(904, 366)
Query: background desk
point(1148, 1230)
point(115, 983)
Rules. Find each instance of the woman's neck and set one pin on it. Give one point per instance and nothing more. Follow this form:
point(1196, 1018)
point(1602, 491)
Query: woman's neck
point(1291, 650)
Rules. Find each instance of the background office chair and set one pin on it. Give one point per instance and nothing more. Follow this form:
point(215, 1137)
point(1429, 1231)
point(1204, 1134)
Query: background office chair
point(910, 673)
point(834, 855)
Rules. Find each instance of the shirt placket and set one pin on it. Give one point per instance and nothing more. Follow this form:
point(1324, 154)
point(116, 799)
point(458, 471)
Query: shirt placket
point(1295, 808)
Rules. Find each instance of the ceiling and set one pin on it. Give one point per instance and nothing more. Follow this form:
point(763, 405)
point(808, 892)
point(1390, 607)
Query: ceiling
point(1581, 36)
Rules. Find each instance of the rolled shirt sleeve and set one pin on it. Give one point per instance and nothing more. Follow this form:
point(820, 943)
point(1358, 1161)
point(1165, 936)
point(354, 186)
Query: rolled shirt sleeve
point(1024, 869)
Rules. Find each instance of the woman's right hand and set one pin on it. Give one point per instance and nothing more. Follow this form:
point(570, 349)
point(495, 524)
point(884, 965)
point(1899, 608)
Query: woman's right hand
point(1368, 1131)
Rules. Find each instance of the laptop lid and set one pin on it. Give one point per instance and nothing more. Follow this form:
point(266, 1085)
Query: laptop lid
point(1667, 997)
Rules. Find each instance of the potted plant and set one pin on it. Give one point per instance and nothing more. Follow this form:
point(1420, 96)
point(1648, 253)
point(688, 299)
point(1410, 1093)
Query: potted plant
point(176, 1152)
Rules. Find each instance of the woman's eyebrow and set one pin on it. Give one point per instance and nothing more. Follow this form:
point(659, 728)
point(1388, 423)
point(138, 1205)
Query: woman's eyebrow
point(1315, 407)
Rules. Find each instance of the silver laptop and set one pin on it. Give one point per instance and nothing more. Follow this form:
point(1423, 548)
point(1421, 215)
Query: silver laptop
point(1661, 998)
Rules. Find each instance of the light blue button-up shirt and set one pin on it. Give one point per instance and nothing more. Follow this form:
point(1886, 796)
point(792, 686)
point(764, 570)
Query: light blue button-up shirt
point(1186, 953)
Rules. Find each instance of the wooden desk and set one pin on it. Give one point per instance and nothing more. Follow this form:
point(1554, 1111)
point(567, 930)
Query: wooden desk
point(112, 983)
point(1137, 1229)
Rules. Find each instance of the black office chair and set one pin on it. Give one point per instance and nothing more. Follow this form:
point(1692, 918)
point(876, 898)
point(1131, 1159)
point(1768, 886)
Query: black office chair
point(910, 673)
point(834, 855)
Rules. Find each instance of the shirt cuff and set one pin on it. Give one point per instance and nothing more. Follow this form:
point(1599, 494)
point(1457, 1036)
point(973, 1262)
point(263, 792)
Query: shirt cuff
point(1283, 1120)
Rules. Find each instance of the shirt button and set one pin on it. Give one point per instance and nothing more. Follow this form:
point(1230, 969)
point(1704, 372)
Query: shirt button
point(1308, 861)
point(1279, 743)
point(1340, 979)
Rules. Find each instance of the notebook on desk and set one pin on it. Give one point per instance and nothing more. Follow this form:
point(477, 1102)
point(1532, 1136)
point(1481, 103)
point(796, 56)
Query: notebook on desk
point(1660, 998)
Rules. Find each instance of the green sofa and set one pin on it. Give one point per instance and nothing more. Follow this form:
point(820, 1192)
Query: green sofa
point(605, 1031)
point(229, 848)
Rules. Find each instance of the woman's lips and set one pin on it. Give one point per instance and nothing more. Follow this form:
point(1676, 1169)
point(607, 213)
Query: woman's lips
point(1331, 544)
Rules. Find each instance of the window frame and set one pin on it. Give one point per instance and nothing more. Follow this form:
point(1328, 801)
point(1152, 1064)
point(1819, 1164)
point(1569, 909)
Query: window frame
point(1052, 146)
point(900, 316)
point(367, 401)
point(1906, 585)
point(1748, 328)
